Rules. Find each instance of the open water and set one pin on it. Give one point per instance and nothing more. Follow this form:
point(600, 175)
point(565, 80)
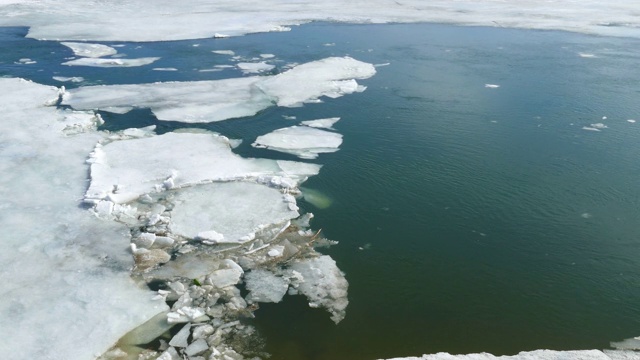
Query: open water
point(469, 218)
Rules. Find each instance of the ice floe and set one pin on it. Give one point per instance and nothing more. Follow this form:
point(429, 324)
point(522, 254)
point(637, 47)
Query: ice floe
point(491, 86)
point(537, 355)
point(321, 123)
point(595, 127)
point(254, 68)
point(90, 50)
point(99, 62)
point(122, 171)
point(121, 21)
point(302, 141)
point(207, 101)
point(229, 212)
point(74, 79)
point(60, 285)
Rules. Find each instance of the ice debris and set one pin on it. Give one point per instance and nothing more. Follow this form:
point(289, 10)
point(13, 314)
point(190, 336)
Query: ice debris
point(530, 355)
point(321, 123)
point(254, 68)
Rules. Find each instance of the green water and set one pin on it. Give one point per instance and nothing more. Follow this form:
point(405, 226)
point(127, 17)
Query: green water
point(469, 218)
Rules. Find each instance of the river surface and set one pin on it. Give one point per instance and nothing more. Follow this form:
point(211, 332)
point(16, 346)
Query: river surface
point(470, 218)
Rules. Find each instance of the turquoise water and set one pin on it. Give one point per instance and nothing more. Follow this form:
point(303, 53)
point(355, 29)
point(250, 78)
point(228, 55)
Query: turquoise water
point(489, 220)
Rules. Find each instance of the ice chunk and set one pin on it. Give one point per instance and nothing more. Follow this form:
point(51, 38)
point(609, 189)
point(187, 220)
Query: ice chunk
point(232, 210)
point(323, 284)
point(74, 79)
point(165, 69)
point(126, 169)
point(180, 339)
point(332, 77)
point(224, 277)
point(253, 68)
point(302, 141)
point(97, 62)
point(90, 50)
point(197, 347)
point(78, 264)
point(216, 100)
point(264, 286)
point(491, 86)
point(224, 52)
point(321, 123)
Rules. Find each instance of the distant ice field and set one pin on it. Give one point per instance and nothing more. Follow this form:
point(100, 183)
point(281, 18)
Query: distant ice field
point(471, 217)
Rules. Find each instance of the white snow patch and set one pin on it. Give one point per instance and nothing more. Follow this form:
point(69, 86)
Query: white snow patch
point(98, 62)
point(90, 50)
point(65, 273)
point(302, 141)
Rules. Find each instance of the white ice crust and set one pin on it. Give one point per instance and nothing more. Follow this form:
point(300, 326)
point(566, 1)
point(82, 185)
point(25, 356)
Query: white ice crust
point(234, 211)
point(123, 170)
point(208, 101)
point(98, 62)
point(534, 355)
point(302, 141)
point(60, 286)
point(121, 21)
point(90, 50)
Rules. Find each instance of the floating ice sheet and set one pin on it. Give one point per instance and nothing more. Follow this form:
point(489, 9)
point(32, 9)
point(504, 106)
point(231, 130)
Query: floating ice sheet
point(98, 62)
point(321, 123)
point(531, 355)
point(254, 68)
point(123, 170)
point(90, 50)
point(302, 141)
point(121, 21)
point(207, 101)
point(60, 286)
point(233, 210)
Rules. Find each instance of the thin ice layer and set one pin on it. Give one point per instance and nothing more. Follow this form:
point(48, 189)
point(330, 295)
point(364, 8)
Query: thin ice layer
point(302, 141)
point(60, 286)
point(121, 21)
point(207, 101)
point(90, 50)
point(233, 210)
point(123, 170)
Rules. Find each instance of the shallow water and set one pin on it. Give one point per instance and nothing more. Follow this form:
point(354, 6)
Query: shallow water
point(489, 220)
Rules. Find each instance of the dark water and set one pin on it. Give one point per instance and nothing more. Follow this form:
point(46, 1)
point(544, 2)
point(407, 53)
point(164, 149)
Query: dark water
point(489, 220)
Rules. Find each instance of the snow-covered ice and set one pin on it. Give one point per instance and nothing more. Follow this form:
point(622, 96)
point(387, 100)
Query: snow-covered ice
point(90, 50)
point(60, 285)
point(207, 101)
point(99, 62)
point(121, 21)
point(302, 141)
point(234, 210)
